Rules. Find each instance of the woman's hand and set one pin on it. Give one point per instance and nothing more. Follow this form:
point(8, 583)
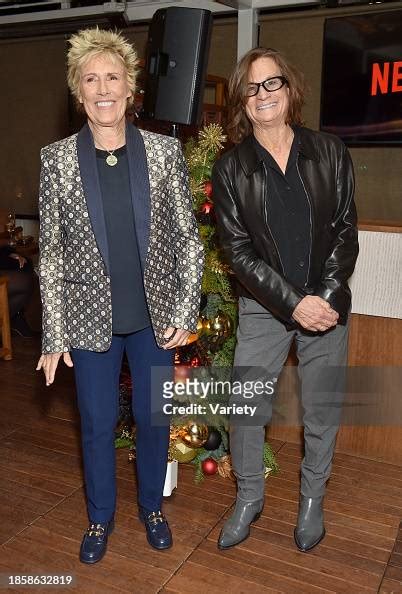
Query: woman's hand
point(176, 337)
point(315, 314)
point(49, 365)
point(22, 261)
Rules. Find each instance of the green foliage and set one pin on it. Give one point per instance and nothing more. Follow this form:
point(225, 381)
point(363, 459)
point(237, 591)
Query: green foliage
point(124, 439)
point(225, 437)
point(216, 283)
point(224, 357)
point(207, 234)
point(189, 148)
point(269, 459)
point(123, 442)
point(198, 474)
point(197, 461)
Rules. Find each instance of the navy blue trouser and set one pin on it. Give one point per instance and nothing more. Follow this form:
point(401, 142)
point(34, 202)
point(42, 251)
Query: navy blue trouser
point(97, 381)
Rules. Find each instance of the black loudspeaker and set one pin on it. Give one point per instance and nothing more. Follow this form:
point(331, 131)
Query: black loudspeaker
point(177, 58)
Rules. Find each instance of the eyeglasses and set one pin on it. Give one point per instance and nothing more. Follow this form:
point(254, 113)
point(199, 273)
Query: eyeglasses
point(274, 83)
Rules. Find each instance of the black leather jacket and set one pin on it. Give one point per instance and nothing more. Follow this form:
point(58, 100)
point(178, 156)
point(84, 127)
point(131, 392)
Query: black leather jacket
point(240, 196)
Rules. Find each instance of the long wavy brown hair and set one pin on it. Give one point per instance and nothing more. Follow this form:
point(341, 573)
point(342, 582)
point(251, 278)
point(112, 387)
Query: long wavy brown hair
point(239, 126)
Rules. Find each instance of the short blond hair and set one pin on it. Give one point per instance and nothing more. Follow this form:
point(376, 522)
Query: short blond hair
point(93, 42)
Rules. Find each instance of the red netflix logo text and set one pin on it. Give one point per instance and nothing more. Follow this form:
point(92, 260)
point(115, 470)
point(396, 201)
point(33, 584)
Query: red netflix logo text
point(386, 78)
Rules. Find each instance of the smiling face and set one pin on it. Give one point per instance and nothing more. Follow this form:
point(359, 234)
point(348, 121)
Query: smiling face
point(104, 90)
point(267, 108)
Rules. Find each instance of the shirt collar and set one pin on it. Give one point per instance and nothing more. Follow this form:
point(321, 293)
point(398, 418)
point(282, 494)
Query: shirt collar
point(251, 158)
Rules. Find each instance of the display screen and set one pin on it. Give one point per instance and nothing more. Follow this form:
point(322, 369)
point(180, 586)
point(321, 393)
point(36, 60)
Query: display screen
point(361, 93)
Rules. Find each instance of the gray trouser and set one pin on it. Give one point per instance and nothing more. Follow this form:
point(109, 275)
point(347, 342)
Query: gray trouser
point(263, 345)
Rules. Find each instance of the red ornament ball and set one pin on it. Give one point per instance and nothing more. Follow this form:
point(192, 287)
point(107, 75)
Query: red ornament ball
point(206, 207)
point(195, 361)
point(209, 466)
point(208, 189)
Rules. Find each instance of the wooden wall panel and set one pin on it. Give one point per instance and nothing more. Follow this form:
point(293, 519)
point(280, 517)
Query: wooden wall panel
point(374, 342)
point(34, 107)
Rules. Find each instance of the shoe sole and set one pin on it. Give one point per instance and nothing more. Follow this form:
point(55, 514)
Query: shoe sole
point(306, 549)
point(164, 548)
point(224, 548)
point(90, 562)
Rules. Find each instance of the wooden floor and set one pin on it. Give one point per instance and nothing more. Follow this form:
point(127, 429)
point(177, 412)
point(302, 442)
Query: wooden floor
point(42, 513)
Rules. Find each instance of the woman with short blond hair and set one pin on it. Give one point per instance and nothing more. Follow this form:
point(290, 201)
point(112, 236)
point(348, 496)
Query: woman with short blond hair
point(120, 271)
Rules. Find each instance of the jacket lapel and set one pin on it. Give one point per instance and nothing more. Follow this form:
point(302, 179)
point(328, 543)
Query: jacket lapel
point(140, 188)
point(308, 144)
point(90, 181)
point(249, 158)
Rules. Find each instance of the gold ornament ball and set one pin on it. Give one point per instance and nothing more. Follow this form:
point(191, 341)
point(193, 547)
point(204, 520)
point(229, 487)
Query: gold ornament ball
point(194, 434)
point(200, 329)
point(204, 326)
point(181, 452)
point(221, 325)
point(200, 323)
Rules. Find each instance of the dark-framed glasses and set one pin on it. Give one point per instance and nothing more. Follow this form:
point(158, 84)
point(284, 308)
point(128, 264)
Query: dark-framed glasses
point(274, 83)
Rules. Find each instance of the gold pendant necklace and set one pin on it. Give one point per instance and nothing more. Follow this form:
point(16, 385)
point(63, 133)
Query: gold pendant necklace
point(111, 159)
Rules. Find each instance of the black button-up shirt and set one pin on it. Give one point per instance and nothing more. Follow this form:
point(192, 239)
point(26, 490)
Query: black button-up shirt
point(289, 215)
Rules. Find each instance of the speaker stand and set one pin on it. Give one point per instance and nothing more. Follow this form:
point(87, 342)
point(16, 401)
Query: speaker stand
point(174, 131)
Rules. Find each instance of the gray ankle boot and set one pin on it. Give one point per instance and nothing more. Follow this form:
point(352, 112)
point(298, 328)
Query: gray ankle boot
point(310, 523)
point(237, 527)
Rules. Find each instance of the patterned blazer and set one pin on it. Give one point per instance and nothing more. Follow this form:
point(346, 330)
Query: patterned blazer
point(74, 262)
